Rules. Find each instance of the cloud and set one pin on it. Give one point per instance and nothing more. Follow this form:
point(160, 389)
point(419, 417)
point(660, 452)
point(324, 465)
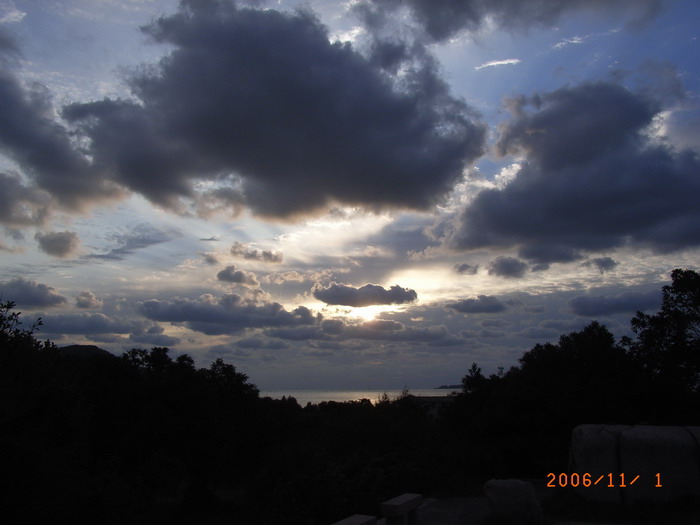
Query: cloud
point(58, 244)
point(154, 336)
point(42, 148)
point(591, 180)
point(241, 250)
point(466, 269)
point(576, 40)
point(8, 47)
point(30, 293)
point(604, 264)
point(376, 330)
point(210, 258)
point(20, 204)
point(442, 19)
point(90, 323)
point(507, 267)
point(298, 121)
point(138, 237)
point(366, 295)
point(568, 41)
point(483, 304)
point(542, 255)
point(504, 62)
point(260, 343)
point(10, 14)
point(380, 329)
point(228, 314)
point(592, 306)
point(231, 275)
point(87, 299)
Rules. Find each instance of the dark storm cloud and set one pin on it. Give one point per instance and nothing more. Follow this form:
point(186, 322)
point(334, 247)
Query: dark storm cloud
point(42, 148)
point(30, 293)
point(591, 180)
point(483, 304)
point(366, 295)
point(231, 275)
point(226, 315)
point(442, 19)
point(241, 250)
point(58, 244)
point(591, 306)
point(297, 120)
point(508, 267)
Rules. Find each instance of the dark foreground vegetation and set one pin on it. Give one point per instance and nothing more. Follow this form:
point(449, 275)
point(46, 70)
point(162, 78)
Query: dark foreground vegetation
point(86, 437)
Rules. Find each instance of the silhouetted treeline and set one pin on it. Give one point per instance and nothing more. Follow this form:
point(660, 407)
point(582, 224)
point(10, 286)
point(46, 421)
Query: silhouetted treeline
point(87, 437)
point(521, 420)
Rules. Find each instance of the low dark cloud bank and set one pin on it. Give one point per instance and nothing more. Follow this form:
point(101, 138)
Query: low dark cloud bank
point(369, 294)
point(26, 293)
point(483, 304)
point(628, 302)
point(591, 179)
point(228, 314)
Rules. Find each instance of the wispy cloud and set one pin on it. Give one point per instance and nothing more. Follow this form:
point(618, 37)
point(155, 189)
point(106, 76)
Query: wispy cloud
point(504, 62)
point(575, 40)
point(10, 14)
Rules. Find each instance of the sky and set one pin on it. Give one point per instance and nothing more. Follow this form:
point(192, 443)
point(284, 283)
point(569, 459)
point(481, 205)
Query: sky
point(351, 195)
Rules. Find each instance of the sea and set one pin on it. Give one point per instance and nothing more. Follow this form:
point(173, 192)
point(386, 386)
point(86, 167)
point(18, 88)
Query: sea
point(304, 397)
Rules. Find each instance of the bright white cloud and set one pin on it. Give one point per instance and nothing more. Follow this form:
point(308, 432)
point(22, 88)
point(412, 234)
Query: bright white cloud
point(504, 62)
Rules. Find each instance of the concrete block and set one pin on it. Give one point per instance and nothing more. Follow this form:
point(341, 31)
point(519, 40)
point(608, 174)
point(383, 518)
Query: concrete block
point(513, 500)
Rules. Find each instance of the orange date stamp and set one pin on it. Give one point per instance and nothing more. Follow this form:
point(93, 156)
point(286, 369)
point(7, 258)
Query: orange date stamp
point(575, 479)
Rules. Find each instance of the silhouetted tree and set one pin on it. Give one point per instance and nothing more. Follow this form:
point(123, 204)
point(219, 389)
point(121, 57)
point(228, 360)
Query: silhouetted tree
point(13, 336)
point(474, 380)
point(667, 347)
point(668, 342)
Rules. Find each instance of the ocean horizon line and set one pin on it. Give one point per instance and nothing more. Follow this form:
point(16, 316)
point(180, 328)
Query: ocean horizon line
point(318, 395)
